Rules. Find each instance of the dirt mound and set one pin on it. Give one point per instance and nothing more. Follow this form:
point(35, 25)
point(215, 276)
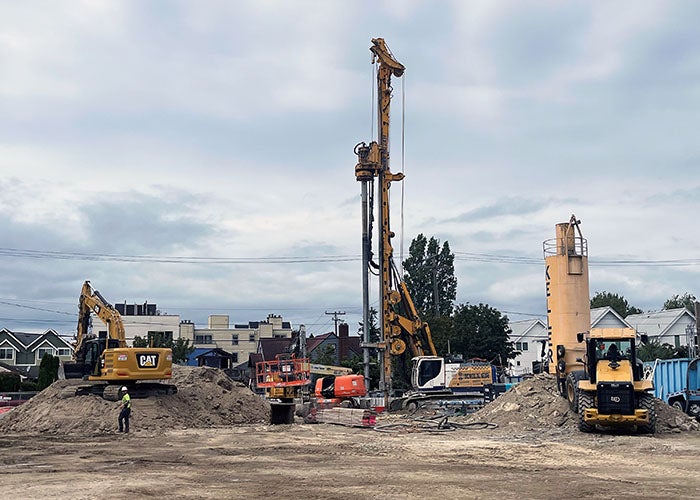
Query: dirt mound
point(206, 397)
point(535, 405)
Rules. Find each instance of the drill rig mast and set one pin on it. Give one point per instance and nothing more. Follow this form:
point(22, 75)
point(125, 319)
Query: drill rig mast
point(400, 325)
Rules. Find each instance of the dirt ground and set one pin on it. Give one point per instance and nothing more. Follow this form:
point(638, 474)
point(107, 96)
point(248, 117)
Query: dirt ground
point(326, 461)
point(212, 441)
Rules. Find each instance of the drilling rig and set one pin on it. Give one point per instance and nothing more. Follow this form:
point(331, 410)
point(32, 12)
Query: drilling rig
point(400, 326)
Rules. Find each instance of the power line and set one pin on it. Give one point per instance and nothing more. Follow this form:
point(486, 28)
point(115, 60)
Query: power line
point(459, 256)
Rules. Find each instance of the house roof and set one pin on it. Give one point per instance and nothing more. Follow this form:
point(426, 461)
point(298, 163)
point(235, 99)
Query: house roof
point(269, 348)
point(313, 343)
point(215, 352)
point(656, 324)
point(600, 313)
point(28, 339)
point(521, 328)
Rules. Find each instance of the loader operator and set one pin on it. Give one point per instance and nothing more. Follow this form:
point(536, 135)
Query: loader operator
point(125, 412)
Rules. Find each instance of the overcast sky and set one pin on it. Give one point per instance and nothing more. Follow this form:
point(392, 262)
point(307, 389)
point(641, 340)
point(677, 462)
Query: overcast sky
point(139, 140)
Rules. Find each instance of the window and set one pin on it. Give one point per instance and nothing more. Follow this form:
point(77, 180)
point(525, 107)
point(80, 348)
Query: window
point(524, 346)
point(279, 336)
point(251, 338)
point(6, 353)
point(521, 346)
point(677, 340)
point(517, 363)
point(234, 357)
point(45, 350)
point(202, 339)
point(234, 339)
point(64, 352)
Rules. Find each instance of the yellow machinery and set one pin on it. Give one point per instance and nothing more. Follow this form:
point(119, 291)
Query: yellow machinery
point(108, 359)
point(400, 324)
point(597, 369)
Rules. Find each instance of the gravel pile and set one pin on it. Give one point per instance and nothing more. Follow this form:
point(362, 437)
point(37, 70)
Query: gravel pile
point(206, 397)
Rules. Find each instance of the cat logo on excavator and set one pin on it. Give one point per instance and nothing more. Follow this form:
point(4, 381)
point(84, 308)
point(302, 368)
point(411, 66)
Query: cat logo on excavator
point(147, 360)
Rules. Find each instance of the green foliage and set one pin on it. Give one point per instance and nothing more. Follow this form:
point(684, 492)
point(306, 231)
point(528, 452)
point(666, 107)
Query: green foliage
point(28, 386)
point(48, 371)
point(181, 347)
point(357, 365)
point(326, 356)
point(653, 350)
point(374, 330)
point(442, 330)
point(686, 300)
point(617, 302)
point(9, 382)
point(481, 332)
point(140, 341)
point(428, 268)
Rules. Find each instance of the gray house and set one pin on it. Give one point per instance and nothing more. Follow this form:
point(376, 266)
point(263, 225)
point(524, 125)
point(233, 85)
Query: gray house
point(670, 326)
point(606, 317)
point(24, 351)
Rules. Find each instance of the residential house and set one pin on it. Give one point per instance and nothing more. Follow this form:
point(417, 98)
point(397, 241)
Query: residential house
point(607, 317)
point(675, 327)
point(24, 351)
point(341, 347)
point(241, 340)
point(528, 336)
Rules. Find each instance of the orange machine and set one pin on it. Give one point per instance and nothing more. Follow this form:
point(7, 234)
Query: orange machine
point(334, 391)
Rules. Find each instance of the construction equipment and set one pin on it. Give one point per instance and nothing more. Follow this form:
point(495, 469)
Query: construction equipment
point(677, 382)
point(596, 369)
point(283, 379)
point(108, 359)
point(400, 324)
point(403, 332)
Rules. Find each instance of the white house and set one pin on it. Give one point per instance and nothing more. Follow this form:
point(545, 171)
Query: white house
point(670, 326)
point(528, 335)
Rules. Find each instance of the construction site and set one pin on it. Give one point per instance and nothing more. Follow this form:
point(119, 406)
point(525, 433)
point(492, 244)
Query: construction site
point(213, 439)
point(588, 419)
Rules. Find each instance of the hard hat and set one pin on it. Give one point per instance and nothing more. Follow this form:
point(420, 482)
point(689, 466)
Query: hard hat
point(124, 389)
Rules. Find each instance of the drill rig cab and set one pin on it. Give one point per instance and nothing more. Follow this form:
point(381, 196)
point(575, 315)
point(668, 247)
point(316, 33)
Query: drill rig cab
point(106, 358)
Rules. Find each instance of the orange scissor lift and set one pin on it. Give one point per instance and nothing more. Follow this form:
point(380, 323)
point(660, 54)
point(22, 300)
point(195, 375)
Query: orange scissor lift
point(283, 380)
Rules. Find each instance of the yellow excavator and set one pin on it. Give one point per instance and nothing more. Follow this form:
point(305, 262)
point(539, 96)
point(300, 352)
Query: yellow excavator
point(107, 362)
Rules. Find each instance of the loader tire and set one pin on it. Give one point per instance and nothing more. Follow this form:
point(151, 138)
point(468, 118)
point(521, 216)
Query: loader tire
point(646, 402)
point(585, 401)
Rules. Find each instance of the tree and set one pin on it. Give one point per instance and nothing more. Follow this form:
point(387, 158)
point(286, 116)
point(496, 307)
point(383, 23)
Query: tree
point(481, 332)
point(429, 273)
point(326, 356)
point(140, 341)
point(9, 382)
point(181, 347)
point(617, 302)
point(48, 371)
point(686, 300)
point(655, 350)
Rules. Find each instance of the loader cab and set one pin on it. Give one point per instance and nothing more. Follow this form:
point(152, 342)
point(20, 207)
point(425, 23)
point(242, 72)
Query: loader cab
point(612, 350)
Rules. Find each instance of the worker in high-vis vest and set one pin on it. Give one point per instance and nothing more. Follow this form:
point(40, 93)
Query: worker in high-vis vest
point(125, 412)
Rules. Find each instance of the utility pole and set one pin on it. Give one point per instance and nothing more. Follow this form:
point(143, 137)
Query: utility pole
point(336, 320)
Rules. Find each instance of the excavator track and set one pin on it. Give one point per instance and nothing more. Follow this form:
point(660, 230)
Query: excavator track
point(111, 392)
